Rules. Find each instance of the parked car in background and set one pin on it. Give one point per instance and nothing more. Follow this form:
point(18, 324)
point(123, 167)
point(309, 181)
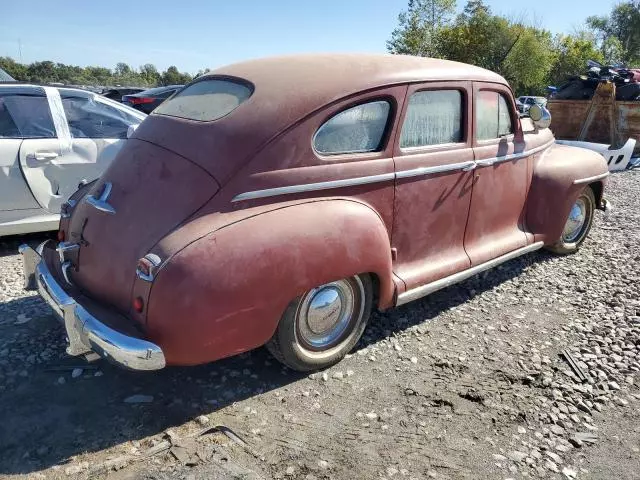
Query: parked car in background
point(51, 139)
point(524, 103)
point(148, 100)
point(117, 93)
point(239, 215)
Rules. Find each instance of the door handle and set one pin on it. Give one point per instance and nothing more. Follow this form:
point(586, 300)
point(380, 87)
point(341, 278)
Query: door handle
point(471, 166)
point(485, 163)
point(42, 156)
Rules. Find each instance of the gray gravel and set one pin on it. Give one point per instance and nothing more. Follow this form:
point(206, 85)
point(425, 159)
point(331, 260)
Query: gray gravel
point(468, 383)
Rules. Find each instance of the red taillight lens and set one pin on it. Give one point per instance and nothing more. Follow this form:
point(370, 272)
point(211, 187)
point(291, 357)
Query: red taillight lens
point(138, 304)
point(140, 100)
point(61, 235)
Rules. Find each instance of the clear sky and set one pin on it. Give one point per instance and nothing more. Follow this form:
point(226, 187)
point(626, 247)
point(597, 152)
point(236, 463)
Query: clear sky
point(194, 34)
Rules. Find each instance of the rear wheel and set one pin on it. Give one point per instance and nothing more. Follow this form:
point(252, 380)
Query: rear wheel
point(319, 328)
point(578, 224)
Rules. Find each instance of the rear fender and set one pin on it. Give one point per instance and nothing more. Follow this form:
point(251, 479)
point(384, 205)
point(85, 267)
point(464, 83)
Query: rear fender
point(558, 179)
point(225, 293)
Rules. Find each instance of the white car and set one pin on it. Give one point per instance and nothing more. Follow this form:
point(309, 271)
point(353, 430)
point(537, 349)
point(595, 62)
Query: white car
point(524, 103)
point(51, 139)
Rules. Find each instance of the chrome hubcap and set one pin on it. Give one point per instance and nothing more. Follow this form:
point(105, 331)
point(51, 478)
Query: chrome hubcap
point(575, 223)
point(326, 312)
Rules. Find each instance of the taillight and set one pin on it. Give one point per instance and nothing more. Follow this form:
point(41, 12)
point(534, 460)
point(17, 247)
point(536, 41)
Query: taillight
point(138, 304)
point(147, 265)
point(140, 100)
point(61, 235)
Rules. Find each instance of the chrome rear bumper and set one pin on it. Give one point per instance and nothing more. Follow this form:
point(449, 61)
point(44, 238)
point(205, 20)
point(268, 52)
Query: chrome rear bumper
point(85, 333)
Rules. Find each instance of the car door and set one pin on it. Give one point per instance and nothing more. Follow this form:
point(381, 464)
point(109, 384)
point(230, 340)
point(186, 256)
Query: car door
point(89, 133)
point(24, 114)
point(433, 158)
point(502, 177)
point(98, 128)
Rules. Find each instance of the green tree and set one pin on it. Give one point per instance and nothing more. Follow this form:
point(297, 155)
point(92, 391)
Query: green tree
point(520, 53)
point(173, 77)
point(13, 68)
point(149, 75)
point(570, 57)
point(417, 29)
point(622, 24)
point(122, 69)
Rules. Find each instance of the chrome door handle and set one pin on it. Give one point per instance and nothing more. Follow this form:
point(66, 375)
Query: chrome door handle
point(485, 163)
point(471, 166)
point(42, 156)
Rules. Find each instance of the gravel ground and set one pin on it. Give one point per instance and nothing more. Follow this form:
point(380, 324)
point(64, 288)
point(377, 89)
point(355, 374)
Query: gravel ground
point(468, 383)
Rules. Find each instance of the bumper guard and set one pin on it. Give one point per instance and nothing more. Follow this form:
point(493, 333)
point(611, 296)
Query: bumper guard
point(85, 333)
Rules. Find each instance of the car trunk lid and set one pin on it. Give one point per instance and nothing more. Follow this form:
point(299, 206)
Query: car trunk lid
point(145, 193)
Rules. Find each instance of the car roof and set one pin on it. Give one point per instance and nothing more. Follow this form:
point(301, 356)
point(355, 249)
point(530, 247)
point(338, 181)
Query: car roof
point(155, 90)
point(26, 88)
point(347, 73)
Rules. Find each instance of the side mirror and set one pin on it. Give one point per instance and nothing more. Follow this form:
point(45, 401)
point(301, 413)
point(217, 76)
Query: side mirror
point(131, 129)
point(540, 116)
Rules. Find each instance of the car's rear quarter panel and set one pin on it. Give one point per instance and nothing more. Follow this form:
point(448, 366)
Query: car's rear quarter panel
point(225, 292)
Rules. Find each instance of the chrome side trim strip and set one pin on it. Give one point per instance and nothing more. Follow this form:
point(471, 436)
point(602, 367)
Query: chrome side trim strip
point(429, 288)
point(416, 172)
point(582, 181)
point(312, 187)
point(419, 172)
point(513, 156)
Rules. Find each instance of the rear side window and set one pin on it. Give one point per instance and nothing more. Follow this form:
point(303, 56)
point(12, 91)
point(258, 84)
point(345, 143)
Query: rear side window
point(206, 100)
point(358, 129)
point(493, 119)
point(434, 117)
point(25, 116)
point(88, 118)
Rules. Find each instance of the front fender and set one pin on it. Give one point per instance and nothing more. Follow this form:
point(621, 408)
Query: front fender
point(553, 189)
point(225, 293)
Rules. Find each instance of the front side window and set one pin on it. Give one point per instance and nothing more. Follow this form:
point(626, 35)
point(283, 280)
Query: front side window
point(88, 118)
point(206, 100)
point(433, 117)
point(359, 129)
point(25, 116)
point(493, 119)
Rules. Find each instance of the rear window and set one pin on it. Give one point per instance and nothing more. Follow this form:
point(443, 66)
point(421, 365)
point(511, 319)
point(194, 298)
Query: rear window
point(206, 100)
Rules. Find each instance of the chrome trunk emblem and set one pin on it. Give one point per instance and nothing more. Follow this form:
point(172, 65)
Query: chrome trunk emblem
point(100, 203)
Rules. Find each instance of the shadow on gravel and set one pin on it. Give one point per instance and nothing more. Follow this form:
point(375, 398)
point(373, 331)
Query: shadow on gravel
point(44, 423)
point(9, 245)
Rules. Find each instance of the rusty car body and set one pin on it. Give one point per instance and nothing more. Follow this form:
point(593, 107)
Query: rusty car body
point(277, 201)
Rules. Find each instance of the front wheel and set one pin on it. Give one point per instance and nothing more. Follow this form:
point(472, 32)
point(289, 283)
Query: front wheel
point(319, 328)
point(578, 224)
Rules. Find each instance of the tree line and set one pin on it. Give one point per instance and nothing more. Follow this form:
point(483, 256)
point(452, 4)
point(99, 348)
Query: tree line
point(49, 72)
point(529, 57)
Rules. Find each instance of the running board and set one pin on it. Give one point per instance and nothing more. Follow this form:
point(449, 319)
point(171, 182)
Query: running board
point(429, 288)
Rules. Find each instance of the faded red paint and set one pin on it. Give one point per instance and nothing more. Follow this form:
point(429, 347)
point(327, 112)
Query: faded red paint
point(230, 268)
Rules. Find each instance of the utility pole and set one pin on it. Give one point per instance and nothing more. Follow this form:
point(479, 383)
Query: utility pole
point(20, 49)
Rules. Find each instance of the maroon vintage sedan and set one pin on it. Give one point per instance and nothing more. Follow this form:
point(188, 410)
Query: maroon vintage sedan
point(278, 201)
